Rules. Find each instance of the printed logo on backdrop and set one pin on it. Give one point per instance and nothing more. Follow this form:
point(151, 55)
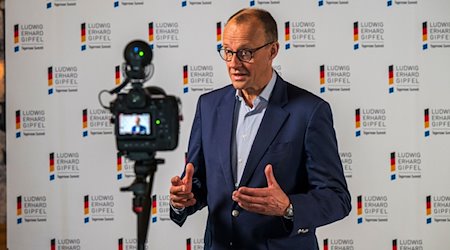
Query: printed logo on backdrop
point(198, 78)
point(437, 121)
point(401, 2)
point(405, 165)
point(368, 35)
point(412, 244)
point(30, 123)
point(264, 2)
point(62, 79)
point(127, 3)
point(128, 244)
point(437, 209)
point(99, 208)
point(31, 209)
point(219, 35)
point(117, 74)
point(344, 244)
point(96, 122)
point(321, 3)
point(335, 78)
point(95, 35)
point(125, 167)
point(164, 35)
point(160, 208)
point(436, 35)
point(195, 3)
point(370, 121)
point(372, 209)
point(347, 163)
point(64, 165)
point(61, 3)
point(299, 34)
point(65, 243)
point(28, 37)
point(195, 244)
point(404, 78)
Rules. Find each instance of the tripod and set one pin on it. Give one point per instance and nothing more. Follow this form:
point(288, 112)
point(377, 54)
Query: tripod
point(143, 167)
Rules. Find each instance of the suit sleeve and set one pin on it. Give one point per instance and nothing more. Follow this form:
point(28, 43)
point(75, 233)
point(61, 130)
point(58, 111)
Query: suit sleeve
point(328, 198)
point(194, 156)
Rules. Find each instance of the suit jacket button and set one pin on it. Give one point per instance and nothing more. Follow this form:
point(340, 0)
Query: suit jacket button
point(235, 213)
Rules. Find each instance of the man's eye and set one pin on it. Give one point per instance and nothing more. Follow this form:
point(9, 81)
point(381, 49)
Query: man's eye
point(245, 52)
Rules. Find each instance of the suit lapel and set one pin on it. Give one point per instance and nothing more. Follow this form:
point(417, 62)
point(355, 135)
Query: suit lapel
point(224, 132)
point(272, 122)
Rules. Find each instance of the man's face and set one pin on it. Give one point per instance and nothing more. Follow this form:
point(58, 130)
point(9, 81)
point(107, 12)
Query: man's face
point(252, 75)
point(138, 120)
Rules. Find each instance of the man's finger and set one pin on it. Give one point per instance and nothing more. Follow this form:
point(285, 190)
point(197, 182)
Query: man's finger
point(176, 181)
point(271, 181)
point(177, 189)
point(188, 173)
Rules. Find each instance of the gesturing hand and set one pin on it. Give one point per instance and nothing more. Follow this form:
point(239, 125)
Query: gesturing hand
point(181, 195)
point(270, 200)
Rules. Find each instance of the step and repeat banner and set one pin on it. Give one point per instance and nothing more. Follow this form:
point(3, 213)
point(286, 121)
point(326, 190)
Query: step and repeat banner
point(383, 65)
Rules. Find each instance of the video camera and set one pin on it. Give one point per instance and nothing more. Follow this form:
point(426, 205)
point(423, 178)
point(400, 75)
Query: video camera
point(146, 119)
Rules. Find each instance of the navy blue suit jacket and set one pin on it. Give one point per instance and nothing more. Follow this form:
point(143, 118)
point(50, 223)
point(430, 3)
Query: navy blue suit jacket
point(297, 137)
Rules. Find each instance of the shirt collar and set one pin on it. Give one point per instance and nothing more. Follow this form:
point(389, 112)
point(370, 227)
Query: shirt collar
point(267, 91)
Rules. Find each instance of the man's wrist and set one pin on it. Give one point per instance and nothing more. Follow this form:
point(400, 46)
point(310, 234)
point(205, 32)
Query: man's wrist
point(289, 212)
point(175, 209)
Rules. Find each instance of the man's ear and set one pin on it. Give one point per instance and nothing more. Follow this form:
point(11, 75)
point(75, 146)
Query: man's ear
point(274, 50)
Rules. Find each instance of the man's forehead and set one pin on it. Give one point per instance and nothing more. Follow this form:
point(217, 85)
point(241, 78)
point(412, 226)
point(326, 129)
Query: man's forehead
point(243, 32)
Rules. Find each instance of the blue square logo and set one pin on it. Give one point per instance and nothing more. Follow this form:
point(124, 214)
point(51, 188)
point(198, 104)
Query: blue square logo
point(49, 5)
point(356, 46)
point(358, 133)
point(427, 133)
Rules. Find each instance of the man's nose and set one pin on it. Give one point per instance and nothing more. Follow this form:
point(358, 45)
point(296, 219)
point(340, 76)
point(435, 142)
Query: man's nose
point(235, 61)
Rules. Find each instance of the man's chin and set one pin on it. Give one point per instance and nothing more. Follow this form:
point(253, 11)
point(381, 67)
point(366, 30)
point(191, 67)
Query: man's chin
point(239, 84)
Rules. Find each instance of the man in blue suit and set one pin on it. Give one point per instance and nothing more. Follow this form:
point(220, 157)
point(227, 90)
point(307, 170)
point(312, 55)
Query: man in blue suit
point(262, 154)
point(138, 129)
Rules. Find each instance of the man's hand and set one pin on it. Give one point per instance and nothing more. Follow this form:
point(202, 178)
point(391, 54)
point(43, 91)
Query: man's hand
point(181, 195)
point(270, 200)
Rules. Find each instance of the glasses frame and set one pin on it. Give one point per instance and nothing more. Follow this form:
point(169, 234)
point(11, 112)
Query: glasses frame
point(239, 51)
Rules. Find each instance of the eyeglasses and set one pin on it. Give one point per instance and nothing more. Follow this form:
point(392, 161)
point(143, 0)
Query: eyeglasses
point(244, 55)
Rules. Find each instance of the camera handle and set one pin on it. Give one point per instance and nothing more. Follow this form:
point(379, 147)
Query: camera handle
point(142, 191)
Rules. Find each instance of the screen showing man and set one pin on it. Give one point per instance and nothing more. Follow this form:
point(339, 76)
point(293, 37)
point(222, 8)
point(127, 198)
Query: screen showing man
point(134, 124)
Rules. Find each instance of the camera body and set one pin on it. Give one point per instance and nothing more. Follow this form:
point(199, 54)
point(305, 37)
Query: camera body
point(146, 119)
point(145, 122)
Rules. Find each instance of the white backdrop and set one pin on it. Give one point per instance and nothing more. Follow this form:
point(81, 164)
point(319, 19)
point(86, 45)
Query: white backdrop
point(383, 65)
